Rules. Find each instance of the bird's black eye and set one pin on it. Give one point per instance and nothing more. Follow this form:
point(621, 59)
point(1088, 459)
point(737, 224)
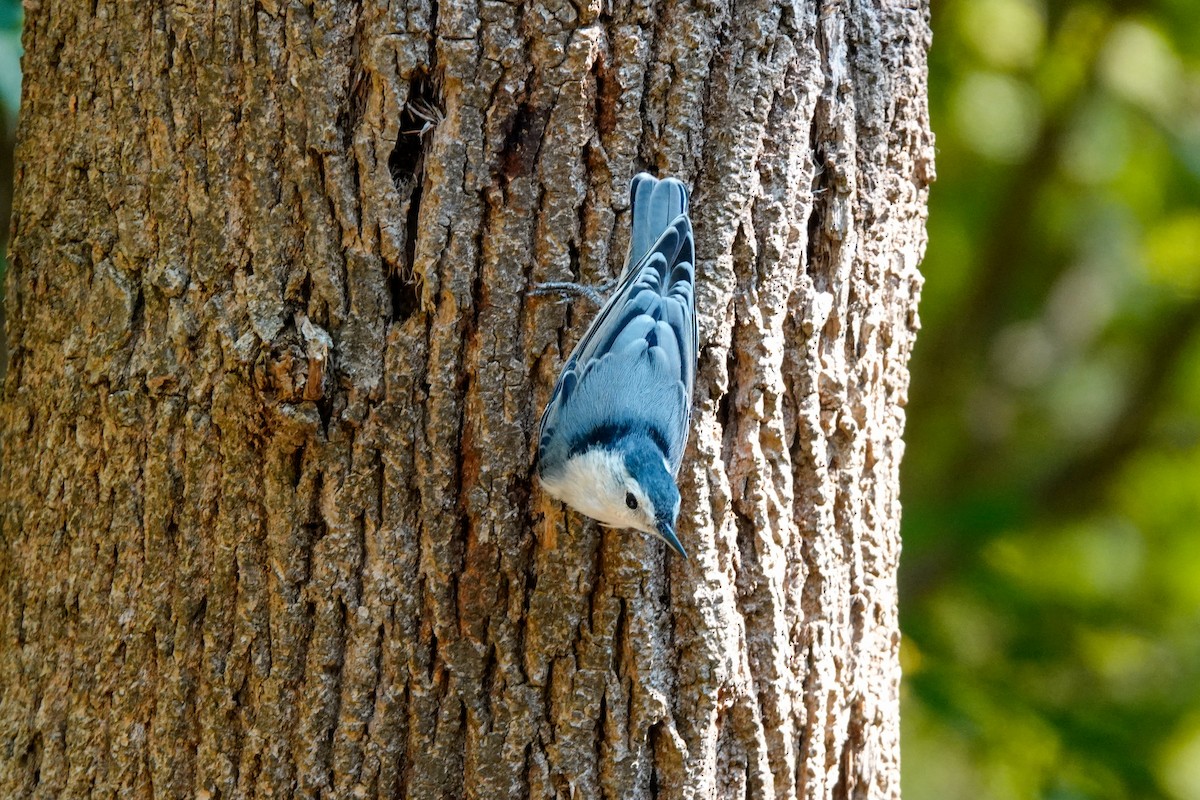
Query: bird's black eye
point(630, 500)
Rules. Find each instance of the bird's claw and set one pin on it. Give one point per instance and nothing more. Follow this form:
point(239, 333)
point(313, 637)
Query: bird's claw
point(596, 294)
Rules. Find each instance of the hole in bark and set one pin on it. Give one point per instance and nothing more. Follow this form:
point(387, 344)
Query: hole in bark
point(573, 257)
point(412, 223)
point(404, 297)
point(197, 619)
point(405, 156)
point(820, 190)
point(325, 411)
point(296, 467)
point(618, 639)
point(418, 119)
point(489, 675)
point(607, 94)
point(316, 530)
point(346, 123)
point(420, 115)
point(138, 313)
point(814, 230)
point(524, 141)
point(402, 284)
point(306, 290)
point(725, 411)
point(316, 522)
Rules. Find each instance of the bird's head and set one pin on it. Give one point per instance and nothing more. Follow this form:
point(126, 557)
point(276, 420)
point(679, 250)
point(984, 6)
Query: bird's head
point(650, 491)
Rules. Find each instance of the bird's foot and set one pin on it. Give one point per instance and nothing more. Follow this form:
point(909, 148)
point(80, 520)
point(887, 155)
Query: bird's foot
point(596, 294)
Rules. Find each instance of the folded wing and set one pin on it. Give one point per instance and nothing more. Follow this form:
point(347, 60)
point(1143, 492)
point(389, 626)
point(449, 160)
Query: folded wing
point(636, 364)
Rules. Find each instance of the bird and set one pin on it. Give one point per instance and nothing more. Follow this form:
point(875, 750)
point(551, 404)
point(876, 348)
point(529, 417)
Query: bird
point(613, 434)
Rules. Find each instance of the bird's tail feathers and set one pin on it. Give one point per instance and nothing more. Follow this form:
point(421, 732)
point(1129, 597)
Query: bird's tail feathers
point(654, 204)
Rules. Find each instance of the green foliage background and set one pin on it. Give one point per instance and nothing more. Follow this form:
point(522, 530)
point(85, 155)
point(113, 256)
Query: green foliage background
point(1051, 571)
point(1050, 583)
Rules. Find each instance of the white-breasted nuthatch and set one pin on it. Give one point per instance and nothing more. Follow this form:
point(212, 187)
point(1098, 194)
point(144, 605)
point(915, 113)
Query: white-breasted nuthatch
point(614, 431)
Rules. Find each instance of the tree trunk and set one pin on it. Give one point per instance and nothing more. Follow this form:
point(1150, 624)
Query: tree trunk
point(270, 520)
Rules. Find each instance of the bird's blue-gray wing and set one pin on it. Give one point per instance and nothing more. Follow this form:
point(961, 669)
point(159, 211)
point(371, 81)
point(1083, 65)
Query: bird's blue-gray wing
point(635, 365)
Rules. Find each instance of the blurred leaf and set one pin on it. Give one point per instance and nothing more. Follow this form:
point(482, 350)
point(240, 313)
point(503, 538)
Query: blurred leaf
point(1139, 65)
point(1173, 251)
point(998, 115)
point(1180, 764)
point(1006, 33)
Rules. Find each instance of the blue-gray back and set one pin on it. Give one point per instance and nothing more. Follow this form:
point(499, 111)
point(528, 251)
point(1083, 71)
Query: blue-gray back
point(634, 368)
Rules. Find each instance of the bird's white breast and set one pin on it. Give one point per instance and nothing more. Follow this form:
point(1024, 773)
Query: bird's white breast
point(595, 483)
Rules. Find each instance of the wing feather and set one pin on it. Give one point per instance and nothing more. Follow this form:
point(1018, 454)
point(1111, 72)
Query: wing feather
point(636, 362)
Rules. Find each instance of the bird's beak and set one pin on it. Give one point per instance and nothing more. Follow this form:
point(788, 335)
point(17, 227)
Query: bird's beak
point(667, 532)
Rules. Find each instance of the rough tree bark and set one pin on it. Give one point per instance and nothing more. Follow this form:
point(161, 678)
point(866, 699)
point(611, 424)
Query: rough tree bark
point(270, 527)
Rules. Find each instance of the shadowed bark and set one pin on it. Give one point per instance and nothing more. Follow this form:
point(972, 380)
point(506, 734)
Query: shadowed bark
point(270, 523)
